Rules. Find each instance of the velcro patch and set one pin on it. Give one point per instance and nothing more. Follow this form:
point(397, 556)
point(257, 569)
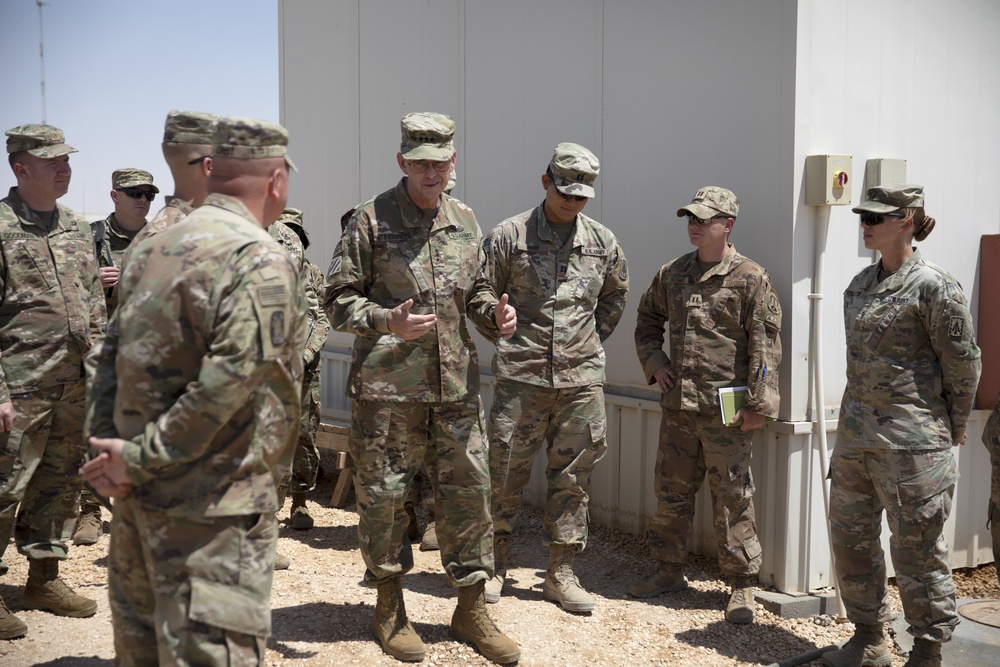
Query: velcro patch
point(956, 326)
point(272, 295)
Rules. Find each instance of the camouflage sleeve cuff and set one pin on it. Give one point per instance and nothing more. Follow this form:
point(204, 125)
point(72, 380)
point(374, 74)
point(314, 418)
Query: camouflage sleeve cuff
point(380, 320)
point(657, 361)
point(132, 453)
point(4, 394)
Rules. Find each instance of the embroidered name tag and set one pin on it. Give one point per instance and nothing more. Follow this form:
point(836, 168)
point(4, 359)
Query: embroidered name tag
point(594, 252)
point(461, 235)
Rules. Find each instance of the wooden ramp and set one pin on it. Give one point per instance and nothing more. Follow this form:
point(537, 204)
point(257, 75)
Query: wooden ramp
point(333, 436)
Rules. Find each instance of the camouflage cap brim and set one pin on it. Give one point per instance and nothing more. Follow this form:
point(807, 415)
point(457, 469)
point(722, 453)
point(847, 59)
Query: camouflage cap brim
point(574, 189)
point(699, 211)
point(135, 182)
point(874, 207)
point(46, 152)
point(435, 152)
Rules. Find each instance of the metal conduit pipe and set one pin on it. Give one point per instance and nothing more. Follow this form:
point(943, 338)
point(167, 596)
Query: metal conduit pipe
point(819, 395)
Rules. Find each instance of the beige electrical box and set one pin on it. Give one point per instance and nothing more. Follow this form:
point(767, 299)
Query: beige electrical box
point(882, 171)
point(828, 180)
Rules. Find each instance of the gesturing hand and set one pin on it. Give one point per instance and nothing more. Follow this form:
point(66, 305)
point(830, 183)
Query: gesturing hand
point(505, 317)
point(409, 326)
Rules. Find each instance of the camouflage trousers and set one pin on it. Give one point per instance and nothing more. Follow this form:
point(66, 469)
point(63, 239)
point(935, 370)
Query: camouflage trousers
point(388, 442)
point(40, 463)
point(305, 465)
point(190, 591)
point(991, 438)
point(694, 446)
point(915, 488)
point(573, 423)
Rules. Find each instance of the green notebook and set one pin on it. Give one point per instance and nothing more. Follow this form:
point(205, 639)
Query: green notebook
point(730, 401)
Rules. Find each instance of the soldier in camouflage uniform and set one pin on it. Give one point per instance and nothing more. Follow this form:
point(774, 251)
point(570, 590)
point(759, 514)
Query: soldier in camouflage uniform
point(912, 371)
point(991, 438)
point(51, 312)
point(187, 148)
point(306, 463)
point(400, 280)
point(724, 319)
point(567, 277)
point(207, 346)
point(132, 191)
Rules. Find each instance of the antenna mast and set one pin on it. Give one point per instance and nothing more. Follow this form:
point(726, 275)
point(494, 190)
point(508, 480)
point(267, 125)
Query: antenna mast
point(41, 52)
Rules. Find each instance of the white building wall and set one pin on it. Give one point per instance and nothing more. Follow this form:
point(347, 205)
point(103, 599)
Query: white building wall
point(671, 96)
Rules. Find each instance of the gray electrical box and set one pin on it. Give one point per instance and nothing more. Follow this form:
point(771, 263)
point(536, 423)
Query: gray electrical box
point(884, 170)
point(828, 180)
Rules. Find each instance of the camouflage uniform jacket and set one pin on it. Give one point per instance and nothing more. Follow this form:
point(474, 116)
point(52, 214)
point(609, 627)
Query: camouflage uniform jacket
point(912, 361)
point(51, 304)
point(390, 253)
point(723, 332)
point(319, 323)
point(569, 299)
point(173, 211)
point(291, 242)
point(111, 242)
point(207, 348)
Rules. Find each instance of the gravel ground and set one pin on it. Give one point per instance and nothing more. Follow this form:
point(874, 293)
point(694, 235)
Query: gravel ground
point(322, 612)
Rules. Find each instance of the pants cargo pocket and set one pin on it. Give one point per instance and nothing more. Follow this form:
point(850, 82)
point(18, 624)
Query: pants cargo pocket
point(230, 608)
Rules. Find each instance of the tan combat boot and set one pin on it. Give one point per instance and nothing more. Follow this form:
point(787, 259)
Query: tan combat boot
point(925, 653)
point(301, 519)
point(46, 591)
point(501, 555)
point(867, 648)
point(668, 579)
point(471, 623)
point(88, 526)
point(740, 609)
point(429, 542)
point(282, 562)
point(391, 627)
point(561, 585)
point(11, 627)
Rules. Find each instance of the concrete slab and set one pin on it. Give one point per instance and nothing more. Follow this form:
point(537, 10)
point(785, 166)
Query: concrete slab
point(972, 644)
point(790, 605)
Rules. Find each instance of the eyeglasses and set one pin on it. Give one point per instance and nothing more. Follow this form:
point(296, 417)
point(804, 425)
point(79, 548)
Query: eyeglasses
point(198, 160)
point(567, 197)
point(872, 219)
point(421, 166)
point(136, 193)
point(693, 219)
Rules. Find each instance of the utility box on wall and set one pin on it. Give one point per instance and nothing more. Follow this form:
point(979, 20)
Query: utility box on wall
point(828, 180)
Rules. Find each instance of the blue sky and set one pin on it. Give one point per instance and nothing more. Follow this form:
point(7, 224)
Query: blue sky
point(114, 68)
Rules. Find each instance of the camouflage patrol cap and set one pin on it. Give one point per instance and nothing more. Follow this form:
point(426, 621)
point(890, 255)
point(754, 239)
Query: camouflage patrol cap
point(889, 198)
point(44, 141)
point(711, 201)
point(574, 169)
point(189, 127)
point(291, 216)
point(130, 178)
point(427, 136)
point(250, 139)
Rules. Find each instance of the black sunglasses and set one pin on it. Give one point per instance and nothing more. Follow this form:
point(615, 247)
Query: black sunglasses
point(569, 197)
point(691, 218)
point(135, 193)
point(871, 219)
point(199, 159)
